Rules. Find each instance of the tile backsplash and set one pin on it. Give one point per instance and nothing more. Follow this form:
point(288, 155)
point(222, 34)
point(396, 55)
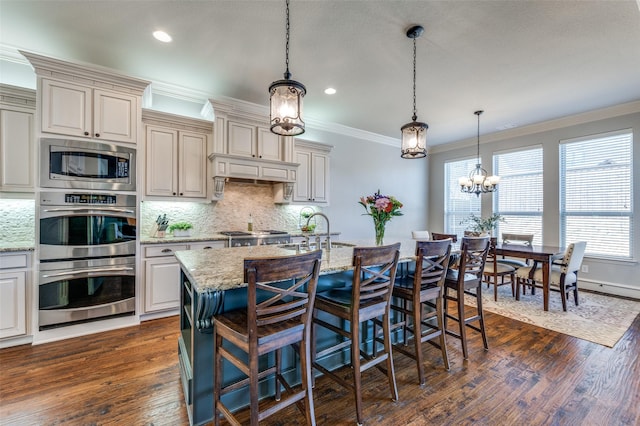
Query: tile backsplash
point(18, 220)
point(231, 213)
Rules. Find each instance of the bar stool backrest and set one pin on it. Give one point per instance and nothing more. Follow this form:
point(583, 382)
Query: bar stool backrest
point(473, 255)
point(286, 286)
point(374, 272)
point(432, 261)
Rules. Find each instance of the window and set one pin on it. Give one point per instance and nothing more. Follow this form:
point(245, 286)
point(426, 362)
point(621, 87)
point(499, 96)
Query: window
point(595, 193)
point(458, 205)
point(519, 195)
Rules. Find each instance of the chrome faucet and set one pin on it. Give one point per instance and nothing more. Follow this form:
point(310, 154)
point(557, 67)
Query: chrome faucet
point(328, 227)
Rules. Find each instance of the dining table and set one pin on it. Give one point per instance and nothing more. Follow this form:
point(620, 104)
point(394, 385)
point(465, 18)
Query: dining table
point(543, 254)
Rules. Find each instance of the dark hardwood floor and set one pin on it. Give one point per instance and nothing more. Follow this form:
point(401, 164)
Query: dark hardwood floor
point(530, 376)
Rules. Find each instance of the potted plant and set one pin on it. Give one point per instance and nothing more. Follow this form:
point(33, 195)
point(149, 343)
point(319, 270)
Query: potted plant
point(181, 229)
point(483, 226)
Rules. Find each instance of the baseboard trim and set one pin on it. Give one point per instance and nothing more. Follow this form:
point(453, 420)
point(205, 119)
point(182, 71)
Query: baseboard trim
point(610, 288)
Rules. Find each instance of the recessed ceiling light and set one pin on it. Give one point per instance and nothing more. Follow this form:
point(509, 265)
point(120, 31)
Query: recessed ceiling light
point(162, 36)
point(330, 91)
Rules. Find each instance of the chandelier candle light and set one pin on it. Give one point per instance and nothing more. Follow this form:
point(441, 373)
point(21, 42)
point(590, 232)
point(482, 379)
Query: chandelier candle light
point(478, 181)
point(382, 208)
point(414, 134)
point(286, 99)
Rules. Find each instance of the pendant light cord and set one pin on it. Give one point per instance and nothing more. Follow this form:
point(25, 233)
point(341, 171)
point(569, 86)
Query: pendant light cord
point(478, 140)
point(415, 116)
point(287, 74)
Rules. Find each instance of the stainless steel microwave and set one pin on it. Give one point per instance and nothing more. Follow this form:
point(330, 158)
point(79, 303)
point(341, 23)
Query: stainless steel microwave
point(86, 165)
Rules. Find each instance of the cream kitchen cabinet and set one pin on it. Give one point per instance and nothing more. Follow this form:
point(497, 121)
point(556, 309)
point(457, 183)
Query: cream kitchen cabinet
point(312, 184)
point(161, 277)
point(176, 155)
point(83, 111)
point(254, 141)
point(17, 140)
point(13, 294)
point(162, 274)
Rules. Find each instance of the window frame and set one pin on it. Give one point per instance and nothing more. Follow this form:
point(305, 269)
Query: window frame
point(564, 214)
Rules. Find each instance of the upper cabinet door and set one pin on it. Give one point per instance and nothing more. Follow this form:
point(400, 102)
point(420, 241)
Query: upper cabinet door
point(242, 139)
point(193, 164)
point(17, 172)
point(66, 108)
point(269, 145)
point(115, 116)
point(162, 162)
point(74, 110)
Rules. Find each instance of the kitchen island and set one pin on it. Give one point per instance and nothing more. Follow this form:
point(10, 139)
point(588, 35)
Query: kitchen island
point(212, 282)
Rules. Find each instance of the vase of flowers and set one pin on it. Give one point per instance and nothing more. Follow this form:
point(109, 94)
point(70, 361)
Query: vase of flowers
point(382, 208)
point(483, 226)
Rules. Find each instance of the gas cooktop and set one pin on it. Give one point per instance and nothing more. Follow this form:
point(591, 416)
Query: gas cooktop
point(253, 233)
point(257, 238)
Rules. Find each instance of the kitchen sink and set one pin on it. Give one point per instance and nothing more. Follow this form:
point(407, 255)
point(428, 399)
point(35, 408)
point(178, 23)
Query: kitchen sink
point(299, 246)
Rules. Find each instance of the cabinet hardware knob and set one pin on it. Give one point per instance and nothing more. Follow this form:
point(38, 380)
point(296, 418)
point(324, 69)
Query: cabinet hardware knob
point(166, 250)
point(181, 194)
point(207, 248)
point(174, 193)
point(86, 133)
point(97, 135)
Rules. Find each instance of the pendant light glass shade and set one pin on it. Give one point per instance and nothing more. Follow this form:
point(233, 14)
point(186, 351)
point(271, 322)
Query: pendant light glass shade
point(478, 182)
point(414, 140)
point(414, 134)
point(285, 100)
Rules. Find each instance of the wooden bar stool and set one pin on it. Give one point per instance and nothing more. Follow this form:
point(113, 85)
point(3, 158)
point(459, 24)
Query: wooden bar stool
point(367, 298)
point(467, 279)
point(438, 236)
point(286, 288)
point(425, 288)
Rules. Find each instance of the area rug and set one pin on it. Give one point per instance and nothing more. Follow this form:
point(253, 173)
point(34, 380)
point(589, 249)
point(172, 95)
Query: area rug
point(599, 319)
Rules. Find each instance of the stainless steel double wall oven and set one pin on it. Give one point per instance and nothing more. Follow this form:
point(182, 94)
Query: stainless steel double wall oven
point(87, 239)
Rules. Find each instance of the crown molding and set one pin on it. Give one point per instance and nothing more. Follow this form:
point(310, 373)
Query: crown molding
point(545, 126)
point(99, 76)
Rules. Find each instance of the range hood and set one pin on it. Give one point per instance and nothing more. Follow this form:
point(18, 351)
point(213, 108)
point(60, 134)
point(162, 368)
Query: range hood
point(235, 168)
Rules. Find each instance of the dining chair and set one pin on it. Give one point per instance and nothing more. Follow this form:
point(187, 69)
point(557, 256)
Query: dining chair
point(420, 235)
point(467, 279)
point(495, 271)
point(419, 300)
point(439, 236)
point(511, 238)
point(366, 299)
point(280, 299)
point(563, 273)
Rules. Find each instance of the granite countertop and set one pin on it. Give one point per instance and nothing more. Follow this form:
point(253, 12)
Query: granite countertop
point(191, 239)
point(222, 268)
point(11, 246)
point(216, 237)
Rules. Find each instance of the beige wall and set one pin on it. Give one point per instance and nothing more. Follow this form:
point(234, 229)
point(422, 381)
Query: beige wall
point(604, 275)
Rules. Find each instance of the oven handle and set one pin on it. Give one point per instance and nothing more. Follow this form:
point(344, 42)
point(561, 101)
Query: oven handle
point(84, 271)
point(84, 209)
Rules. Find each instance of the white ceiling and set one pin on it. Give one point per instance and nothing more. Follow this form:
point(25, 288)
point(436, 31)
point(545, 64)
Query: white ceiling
point(522, 61)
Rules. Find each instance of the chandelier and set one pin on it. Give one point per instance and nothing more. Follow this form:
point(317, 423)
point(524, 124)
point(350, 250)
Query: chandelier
point(414, 134)
point(478, 181)
point(286, 99)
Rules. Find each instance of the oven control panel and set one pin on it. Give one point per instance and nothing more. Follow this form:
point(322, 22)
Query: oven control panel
point(89, 199)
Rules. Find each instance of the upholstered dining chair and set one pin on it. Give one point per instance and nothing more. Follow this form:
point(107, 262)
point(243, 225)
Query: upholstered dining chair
point(563, 274)
point(467, 279)
point(419, 300)
point(439, 236)
point(368, 298)
point(510, 238)
point(280, 300)
point(420, 235)
point(495, 272)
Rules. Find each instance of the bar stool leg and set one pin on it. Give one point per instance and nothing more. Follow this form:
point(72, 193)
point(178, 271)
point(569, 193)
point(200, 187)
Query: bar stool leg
point(461, 323)
point(387, 347)
point(355, 363)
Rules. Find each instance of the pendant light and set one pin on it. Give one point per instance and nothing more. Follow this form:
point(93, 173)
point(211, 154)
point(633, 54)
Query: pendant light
point(414, 134)
point(478, 181)
point(286, 99)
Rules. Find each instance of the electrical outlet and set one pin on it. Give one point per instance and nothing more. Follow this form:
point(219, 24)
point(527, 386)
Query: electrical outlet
point(585, 269)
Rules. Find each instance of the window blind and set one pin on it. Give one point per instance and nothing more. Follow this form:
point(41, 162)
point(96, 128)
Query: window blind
point(596, 193)
point(519, 198)
point(458, 205)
